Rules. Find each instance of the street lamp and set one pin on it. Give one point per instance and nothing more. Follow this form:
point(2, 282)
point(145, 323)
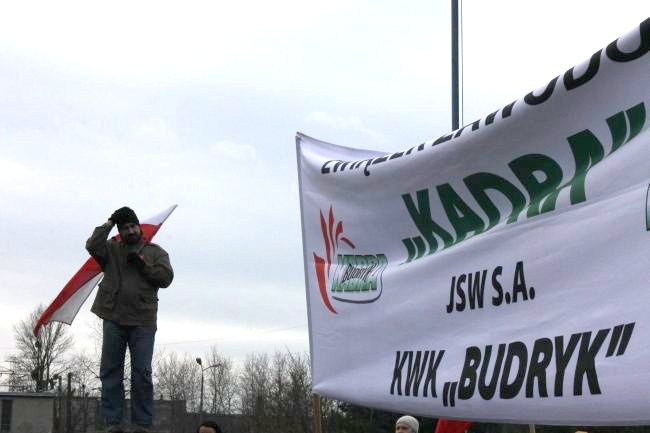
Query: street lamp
point(198, 361)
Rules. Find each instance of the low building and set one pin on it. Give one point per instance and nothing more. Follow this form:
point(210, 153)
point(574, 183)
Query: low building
point(26, 412)
point(45, 412)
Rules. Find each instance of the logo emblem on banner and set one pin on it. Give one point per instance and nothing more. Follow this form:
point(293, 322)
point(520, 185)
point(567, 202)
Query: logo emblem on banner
point(343, 274)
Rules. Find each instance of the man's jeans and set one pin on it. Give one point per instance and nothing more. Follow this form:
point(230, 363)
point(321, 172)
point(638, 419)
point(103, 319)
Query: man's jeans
point(140, 341)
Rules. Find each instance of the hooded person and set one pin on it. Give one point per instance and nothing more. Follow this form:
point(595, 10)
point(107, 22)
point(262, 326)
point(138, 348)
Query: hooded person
point(407, 424)
point(127, 303)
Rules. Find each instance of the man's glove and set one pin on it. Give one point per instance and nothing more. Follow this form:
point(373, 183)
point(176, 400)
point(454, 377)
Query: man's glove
point(136, 260)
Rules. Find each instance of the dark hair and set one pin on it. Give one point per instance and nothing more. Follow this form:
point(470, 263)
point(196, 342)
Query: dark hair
point(211, 424)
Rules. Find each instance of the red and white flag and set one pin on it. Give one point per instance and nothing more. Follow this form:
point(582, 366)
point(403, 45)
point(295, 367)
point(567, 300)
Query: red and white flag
point(66, 305)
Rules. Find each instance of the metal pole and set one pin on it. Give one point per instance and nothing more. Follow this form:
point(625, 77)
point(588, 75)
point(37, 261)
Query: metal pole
point(59, 397)
point(39, 366)
point(55, 411)
point(68, 406)
point(201, 400)
point(85, 406)
point(455, 76)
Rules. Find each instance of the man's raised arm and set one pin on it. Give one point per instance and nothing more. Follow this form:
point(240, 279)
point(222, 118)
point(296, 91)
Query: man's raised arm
point(96, 243)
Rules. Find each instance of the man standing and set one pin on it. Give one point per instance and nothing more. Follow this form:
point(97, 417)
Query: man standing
point(127, 301)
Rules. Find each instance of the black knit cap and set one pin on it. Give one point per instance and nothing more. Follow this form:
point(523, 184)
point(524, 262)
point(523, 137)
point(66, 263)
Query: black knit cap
point(124, 215)
point(211, 424)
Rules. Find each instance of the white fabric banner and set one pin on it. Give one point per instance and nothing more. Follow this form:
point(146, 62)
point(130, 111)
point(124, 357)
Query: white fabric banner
point(498, 273)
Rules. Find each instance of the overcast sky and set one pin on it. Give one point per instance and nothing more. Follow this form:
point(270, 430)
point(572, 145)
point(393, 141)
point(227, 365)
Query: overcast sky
point(150, 103)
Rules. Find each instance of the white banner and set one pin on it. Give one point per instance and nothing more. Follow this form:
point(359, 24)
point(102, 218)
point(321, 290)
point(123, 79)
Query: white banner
point(498, 273)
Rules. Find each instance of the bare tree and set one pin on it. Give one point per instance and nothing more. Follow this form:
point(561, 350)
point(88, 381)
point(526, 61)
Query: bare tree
point(220, 384)
point(85, 371)
point(331, 415)
point(278, 406)
point(40, 356)
point(298, 393)
point(289, 406)
point(254, 387)
point(178, 379)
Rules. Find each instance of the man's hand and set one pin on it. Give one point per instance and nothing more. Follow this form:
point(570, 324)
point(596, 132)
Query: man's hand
point(119, 215)
point(136, 260)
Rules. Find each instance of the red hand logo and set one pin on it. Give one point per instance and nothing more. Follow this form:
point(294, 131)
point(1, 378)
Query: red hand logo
point(331, 238)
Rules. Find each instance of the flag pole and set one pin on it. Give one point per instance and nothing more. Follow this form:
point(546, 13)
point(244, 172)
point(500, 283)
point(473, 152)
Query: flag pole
point(455, 66)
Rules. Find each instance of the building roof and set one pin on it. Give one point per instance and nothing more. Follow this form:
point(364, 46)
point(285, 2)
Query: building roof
point(14, 395)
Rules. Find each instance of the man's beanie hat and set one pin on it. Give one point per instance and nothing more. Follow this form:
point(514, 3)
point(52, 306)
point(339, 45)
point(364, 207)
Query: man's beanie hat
point(130, 216)
point(410, 422)
point(211, 424)
point(125, 215)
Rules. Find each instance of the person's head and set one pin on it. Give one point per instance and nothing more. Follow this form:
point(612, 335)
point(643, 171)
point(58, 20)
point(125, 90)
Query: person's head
point(130, 233)
point(407, 424)
point(209, 427)
point(128, 225)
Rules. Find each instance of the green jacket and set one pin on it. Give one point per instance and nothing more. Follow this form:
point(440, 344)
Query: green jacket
point(127, 295)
